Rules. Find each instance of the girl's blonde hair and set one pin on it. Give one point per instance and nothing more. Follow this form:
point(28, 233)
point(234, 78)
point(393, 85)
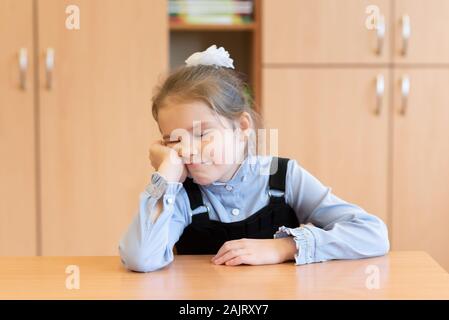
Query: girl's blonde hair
point(222, 89)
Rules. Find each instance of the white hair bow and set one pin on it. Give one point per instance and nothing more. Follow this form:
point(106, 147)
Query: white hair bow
point(211, 56)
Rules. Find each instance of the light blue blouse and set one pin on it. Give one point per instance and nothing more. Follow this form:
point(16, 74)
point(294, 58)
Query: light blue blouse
point(332, 229)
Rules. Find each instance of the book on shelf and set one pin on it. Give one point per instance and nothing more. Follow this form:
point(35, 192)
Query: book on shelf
point(211, 11)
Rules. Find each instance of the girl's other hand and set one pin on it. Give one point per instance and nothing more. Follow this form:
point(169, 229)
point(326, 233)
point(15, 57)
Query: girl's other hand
point(256, 251)
point(167, 162)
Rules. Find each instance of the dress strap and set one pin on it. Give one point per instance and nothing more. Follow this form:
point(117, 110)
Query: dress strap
point(278, 172)
point(194, 193)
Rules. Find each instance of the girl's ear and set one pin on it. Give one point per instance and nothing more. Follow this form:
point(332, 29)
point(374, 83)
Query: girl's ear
point(245, 125)
point(245, 121)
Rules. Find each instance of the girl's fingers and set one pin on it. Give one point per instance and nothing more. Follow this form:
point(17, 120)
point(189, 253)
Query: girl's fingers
point(227, 246)
point(243, 259)
point(231, 254)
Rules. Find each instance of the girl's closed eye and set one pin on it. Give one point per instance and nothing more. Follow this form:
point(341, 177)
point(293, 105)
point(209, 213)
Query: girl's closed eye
point(203, 133)
point(171, 140)
point(175, 141)
point(170, 143)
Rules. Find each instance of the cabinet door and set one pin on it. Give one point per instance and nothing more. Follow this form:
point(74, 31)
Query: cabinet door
point(17, 130)
point(327, 120)
point(421, 31)
point(325, 31)
point(421, 163)
point(95, 118)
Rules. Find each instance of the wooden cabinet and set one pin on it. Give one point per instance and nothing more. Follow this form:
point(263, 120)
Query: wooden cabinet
point(75, 140)
point(319, 90)
point(420, 113)
point(17, 127)
point(324, 31)
point(421, 31)
point(421, 162)
point(333, 123)
point(95, 121)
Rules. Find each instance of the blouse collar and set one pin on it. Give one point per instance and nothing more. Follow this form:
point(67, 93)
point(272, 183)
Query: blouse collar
point(247, 166)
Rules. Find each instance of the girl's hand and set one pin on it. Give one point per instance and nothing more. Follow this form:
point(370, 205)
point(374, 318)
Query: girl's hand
point(256, 251)
point(167, 162)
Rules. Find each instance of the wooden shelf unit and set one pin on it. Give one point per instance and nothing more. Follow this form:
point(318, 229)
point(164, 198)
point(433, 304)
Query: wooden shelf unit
point(244, 48)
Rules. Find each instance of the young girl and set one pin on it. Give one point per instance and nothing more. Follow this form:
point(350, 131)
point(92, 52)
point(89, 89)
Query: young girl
point(251, 210)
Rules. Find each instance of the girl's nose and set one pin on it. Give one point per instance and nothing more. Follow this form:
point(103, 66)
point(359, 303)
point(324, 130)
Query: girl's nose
point(189, 152)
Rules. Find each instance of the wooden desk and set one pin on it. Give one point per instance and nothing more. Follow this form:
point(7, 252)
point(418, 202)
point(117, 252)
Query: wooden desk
point(402, 275)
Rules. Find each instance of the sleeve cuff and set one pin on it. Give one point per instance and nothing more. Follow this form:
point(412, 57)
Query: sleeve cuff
point(172, 189)
point(168, 202)
point(305, 243)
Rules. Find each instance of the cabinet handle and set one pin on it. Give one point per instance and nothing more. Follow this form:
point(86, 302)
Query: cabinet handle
point(23, 67)
point(405, 93)
point(406, 30)
point(380, 32)
point(49, 66)
point(380, 91)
